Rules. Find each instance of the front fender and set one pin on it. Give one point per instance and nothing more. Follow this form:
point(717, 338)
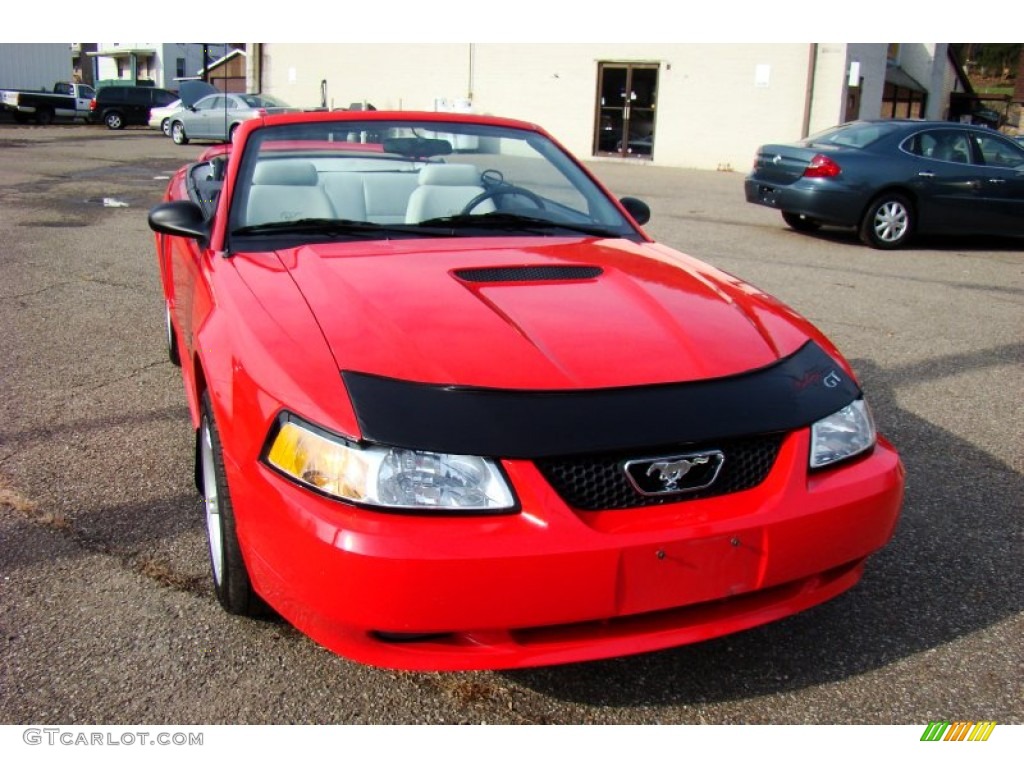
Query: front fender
point(257, 350)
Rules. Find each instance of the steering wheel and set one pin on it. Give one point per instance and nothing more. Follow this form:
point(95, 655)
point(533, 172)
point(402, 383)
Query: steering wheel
point(503, 190)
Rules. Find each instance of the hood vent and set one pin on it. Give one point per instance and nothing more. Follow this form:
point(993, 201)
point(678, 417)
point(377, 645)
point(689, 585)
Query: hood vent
point(527, 274)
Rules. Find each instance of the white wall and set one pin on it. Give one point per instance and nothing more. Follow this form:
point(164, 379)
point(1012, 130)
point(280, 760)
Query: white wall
point(716, 102)
point(406, 76)
point(872, 58)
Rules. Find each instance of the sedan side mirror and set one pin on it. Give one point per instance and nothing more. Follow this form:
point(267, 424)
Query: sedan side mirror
point(638, 209)
point(179, 217)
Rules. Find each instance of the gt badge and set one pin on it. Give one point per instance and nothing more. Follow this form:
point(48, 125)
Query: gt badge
point(674, 474)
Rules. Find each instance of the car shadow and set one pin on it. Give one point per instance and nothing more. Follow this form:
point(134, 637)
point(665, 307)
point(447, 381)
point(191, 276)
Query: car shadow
point(849, 237)
point(954, 567)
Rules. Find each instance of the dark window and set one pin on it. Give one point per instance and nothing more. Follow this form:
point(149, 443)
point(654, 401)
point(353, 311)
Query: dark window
point(180, 68)
point(163, 98)
point(999, 152)
point(947, 145)
point(899, 101)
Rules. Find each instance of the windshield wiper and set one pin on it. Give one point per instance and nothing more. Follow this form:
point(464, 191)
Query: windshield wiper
point(513, 222)
point(333, 228)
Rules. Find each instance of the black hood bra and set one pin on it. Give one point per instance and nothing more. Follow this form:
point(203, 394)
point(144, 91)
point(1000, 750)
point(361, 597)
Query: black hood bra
point(531, 424)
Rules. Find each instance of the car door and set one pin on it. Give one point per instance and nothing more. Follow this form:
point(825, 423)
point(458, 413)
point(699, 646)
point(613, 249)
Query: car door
point(83, 99)
point(137, 106)
point(946, 181)
point(1001, 185)
point(227, 114)
point(217, 118)
point(202, 120)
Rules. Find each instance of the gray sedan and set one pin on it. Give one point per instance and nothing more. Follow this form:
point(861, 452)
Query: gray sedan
point(218, 115)
point(893, 178)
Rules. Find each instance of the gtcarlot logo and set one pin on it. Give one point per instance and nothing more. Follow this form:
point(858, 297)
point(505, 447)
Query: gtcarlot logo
point(943, 730)
point(72, 737)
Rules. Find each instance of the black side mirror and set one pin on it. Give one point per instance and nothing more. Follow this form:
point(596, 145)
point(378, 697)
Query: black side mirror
point(638, 209)
point(179, 217)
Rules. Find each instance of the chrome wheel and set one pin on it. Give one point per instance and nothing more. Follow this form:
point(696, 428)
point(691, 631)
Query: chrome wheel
point(888, 222)
point(211, 502)
point(231, 580)
point(172, 341)
point(178, 133)
point(891, 222)
point(165, 126)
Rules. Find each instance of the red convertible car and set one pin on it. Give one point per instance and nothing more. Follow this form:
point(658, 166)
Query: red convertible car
point(454, 409)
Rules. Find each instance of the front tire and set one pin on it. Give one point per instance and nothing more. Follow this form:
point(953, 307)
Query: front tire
point(178, 133)
point(888, 222)
point(114, 121)
point(230, 576)
point(800, 223)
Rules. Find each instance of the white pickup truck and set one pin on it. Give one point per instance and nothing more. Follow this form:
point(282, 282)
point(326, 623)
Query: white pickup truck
point(67, 101)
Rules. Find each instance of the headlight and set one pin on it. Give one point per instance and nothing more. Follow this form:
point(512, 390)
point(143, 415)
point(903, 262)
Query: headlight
point(845, 433)
point(387, 477)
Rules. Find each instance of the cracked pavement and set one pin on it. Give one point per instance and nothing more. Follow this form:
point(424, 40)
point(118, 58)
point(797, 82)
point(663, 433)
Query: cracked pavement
point(106, 610)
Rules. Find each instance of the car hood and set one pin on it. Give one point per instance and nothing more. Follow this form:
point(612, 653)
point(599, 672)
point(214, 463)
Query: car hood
point(536, 313)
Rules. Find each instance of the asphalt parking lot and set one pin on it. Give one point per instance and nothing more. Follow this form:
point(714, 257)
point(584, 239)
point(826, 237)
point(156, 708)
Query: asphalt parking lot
point(106, 610)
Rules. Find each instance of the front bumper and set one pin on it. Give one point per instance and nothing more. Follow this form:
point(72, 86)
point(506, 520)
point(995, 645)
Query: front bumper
point(552, 585)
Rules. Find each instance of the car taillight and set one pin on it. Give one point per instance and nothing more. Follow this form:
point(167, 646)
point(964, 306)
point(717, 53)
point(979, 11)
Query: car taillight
point(92, 104)
point(261, 112)
point(822, 167)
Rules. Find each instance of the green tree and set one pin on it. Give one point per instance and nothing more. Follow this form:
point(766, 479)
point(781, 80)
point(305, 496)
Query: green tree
point(990, 58)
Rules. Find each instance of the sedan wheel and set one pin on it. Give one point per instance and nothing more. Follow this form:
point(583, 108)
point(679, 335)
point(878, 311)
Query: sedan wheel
point(178, 133)
point(230, 577)
point(114, 121)
point(888, 223)
point(165, 126)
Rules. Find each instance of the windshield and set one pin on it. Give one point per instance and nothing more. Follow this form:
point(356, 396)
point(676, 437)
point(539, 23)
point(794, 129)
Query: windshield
point(384, 179)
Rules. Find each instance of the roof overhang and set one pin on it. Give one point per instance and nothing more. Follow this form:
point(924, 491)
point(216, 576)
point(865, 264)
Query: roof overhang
point(901, 79)
point(232, 54)
point(123, 53)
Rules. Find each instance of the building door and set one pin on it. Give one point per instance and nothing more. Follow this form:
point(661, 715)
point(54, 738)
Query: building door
point(627, 95)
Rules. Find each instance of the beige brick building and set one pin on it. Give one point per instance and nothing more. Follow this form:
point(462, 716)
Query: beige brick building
point(684, 105)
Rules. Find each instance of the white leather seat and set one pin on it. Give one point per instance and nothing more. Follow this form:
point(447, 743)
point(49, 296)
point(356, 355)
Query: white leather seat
point(286, 190)
point(380, 197)
point(444, 190)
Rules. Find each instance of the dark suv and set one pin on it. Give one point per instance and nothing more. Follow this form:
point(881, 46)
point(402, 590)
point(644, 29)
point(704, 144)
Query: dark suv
point(121, 105)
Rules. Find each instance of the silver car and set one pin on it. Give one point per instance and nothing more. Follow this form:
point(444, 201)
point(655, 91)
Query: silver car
point(218, 115)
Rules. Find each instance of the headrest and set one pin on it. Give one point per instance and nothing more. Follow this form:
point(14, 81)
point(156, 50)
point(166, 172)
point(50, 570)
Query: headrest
point(288, 173)
point(445, 175)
